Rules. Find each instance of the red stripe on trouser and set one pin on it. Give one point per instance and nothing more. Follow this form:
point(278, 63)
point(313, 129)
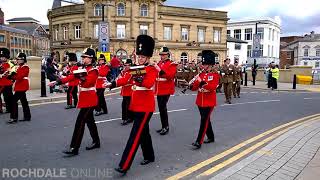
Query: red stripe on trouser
point(206, 126)
point(70, 95)
point(135, 143)
point(82, 125)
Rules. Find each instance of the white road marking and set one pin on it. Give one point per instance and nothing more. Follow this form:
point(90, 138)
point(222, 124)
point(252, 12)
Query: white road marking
point(254, 102)
point(311, 98)
point(116, 119)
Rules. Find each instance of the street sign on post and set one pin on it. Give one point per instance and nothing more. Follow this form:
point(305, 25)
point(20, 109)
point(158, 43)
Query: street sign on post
point(256, 46)
point(104, 39)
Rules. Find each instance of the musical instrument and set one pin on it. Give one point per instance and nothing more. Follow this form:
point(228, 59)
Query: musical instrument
point(137, 70)
point(191, 82)
point(80, 73)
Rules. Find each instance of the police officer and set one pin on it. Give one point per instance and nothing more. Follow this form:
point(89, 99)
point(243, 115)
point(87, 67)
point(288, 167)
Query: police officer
point(88, 100)
point(164, 86)
point(103, 70)
point(237, 78)
point(205, 83)
point(142, 105)
point(21, 85)
point(227, 79)
point(72, 92)
point(5, 83)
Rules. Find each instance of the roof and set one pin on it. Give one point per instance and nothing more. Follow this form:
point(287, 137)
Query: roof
point(14, 30)
point(31, 28)
point(231, 39)
point(45, 26)
point(23, 19)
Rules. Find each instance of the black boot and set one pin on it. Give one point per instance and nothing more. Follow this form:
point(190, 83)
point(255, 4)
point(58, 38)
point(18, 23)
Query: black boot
point(164, 131)
point(93, 146)
point(158, 131)
point(99, 113)
point(208, 141)
point(12, 121)
point(68, 107)
point(196, 145)
point(71, 152)
point(120, 170)
point(145, 162)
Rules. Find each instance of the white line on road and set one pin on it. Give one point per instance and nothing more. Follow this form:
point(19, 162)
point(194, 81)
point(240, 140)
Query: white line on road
point(311, 98)
point(254, 102)
point(116, 119)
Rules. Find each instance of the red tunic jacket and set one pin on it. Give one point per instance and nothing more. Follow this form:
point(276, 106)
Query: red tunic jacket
point(125, 81)
point(142, 98)
point(87, 91)
point(21, 77)
point(165, 83)
point(4, 81)
point(207, 94)
point(103, 71)
point(74, 82)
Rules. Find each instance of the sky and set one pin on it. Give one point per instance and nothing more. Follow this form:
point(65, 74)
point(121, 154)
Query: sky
point(297, 17)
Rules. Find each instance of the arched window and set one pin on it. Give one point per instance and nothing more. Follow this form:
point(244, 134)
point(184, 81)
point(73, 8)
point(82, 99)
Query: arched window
point(121, 10)
point(98, 10)
point(79, 53)
point(58, 56)
point(184, 58)
point(122, 55)
point(199, 57)
point(144, 10)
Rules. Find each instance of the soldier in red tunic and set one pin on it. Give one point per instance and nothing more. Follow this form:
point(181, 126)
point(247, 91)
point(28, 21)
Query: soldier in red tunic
point(205, 83)
point(126, 92)
point(88, 100)
point(142, 104)
point(103, 70)
point(72, 92)
point(21, 86)
point(164, 86)
point(5, 83)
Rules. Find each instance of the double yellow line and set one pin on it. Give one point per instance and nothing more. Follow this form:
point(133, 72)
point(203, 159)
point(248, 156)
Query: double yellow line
point(282, 129)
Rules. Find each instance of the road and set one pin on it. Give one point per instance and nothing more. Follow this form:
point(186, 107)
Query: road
point(39, 143)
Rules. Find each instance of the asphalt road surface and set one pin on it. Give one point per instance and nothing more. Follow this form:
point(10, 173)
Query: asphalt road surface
point(39, 143)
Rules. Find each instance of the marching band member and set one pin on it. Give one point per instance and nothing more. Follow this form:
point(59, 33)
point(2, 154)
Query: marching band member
point(5, 83)
point(103, 71)
point(88, 100)
point(205, 83)
point(72, 92)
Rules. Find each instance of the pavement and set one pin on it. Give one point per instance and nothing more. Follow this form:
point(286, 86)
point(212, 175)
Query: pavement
point(288, 120)
point(262, 85)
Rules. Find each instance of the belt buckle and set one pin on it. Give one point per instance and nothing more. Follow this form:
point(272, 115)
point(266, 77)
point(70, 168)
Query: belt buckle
point(134, 87)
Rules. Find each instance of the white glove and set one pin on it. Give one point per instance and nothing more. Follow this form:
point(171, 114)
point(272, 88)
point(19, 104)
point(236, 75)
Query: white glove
point(234, 82)
point(223, 74)
point(53, 83)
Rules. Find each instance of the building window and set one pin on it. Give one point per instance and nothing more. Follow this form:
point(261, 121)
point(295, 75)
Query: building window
point(288, 54)
point(261, 32)
point(268, 50)
point(15, 41)
point(270, 33)
point(228, 33)
point(65, 33)
point(318, 52)
point(167, 33)
point(217, 35)
point(56, 35)
point(261, 50)
point(317, 65)
point(121, 10)
point(184, 34)
point(2, 39)
point(273, 35)
point(199, 57)
point(144, 10)
point(249, 51)
point(248, 34)
point(96, 31)
point(271, 51)
point(121, 31)
point(201, 34)
point(144, 29)
point(305, 63)
point(306, 52)
point(184, 58)
point(237, 46)
point(237, 33)
point(77, 32)
point(11, 40)
point(217, 58)
point(98, 10)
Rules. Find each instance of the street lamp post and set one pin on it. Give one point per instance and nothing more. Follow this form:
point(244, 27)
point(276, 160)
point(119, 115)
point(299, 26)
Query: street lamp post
point(256, 54)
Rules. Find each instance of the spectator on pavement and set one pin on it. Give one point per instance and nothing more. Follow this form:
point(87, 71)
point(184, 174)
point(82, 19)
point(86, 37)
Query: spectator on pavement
point(51, 69)
point(275, 76)
point(115, 65)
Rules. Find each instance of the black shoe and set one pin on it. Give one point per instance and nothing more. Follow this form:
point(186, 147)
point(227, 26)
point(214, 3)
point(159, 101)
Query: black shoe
point(234, 96)
point(71, 152)
point(120, 170)
point(126, 122)
point(145, 162)
point(68, 107)
point(93, 146)
point(99, 113)
point(158, 131)
point(164, 131)
point(12, 121)
point(196, 145)
point(229, 102)
point(208, 141)
point(238, 96)
point(25, 119)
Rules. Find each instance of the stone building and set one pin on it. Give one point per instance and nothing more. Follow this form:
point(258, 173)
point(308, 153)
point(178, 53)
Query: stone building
point(186, 31)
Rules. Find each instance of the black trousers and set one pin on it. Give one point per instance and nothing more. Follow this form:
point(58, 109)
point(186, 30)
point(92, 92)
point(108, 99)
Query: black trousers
point(72, 93)
point(20, 95)
point(274, 83)
point(102, 105)
point(85, 116)
point(162, 104)
point(126, 113)
point(7, 96)
point(205, 125)
point(139, 135)
point(269, 80)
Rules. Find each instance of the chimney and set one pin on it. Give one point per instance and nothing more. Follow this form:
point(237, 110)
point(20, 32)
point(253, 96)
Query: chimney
point(312, 34)
point(1, 17)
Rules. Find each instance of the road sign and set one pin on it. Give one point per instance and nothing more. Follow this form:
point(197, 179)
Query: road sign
point(106, 54)
point(104, 32)
point(256, 42)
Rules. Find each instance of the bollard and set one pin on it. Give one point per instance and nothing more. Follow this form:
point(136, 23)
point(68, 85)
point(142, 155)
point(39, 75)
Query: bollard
point(43, 84)
point(294, 82)
point(245, 79)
